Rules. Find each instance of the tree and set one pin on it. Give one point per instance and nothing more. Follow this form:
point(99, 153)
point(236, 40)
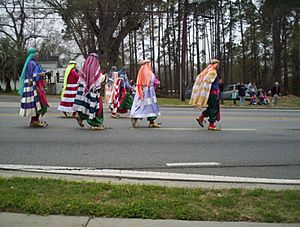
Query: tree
point(96, 25)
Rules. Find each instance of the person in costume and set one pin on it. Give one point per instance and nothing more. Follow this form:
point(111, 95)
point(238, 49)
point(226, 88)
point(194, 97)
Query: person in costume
point(206, 92)
point(145, 102)
point(122, 99)
point(109, 85)
point(33, 102)
point(88, 102)
point(69, 91)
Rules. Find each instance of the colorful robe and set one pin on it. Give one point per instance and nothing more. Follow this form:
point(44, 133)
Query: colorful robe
point(201, 89)
point(68, 97)
point(146, 106)
point(33, 101)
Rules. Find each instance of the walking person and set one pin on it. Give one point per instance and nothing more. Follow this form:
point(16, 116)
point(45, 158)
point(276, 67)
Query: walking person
point(88, 102)
point(109, 85)
point(34, 102)
point(69, 91)
point(122, 99)
point(206, 92)
point(145, 102)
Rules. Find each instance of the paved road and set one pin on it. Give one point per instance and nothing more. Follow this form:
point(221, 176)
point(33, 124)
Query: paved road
point(253, 143)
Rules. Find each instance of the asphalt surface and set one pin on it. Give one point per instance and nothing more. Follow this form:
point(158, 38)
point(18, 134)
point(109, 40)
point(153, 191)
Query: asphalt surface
point(252, 143)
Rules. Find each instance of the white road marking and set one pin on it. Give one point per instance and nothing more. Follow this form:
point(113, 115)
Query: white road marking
point(145, 174)
point(199, 129)
point(193, 164)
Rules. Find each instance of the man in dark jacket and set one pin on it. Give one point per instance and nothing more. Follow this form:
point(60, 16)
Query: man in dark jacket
point(275, 93)
point(242, 93)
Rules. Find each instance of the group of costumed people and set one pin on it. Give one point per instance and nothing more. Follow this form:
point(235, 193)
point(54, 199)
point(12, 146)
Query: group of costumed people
point(81, 97)
point(82, 100)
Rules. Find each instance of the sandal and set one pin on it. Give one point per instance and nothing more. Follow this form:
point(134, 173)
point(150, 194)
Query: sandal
point(79, 121)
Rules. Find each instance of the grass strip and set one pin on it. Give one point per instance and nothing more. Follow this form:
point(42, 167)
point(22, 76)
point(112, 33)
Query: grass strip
point(50, 196)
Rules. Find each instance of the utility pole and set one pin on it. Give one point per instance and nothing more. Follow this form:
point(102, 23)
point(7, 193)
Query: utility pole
point(183, 55)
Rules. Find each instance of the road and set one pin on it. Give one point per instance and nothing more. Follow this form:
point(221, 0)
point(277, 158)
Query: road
point(253, 142)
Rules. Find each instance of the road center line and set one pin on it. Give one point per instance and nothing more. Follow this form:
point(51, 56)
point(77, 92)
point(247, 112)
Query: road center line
point(193, 164)
point(199, 129)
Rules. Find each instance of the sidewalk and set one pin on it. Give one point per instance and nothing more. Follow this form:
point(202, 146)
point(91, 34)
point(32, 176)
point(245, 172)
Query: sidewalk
point(24, 220)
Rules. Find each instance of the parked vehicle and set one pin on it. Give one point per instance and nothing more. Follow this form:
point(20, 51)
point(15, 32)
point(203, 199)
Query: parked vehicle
point(229, 89)
point(188, 91)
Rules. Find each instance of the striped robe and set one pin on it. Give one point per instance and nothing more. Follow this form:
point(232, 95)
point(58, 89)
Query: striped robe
point(147, 107)
point(201, 89)
point(30, 101)
point(89, 104)
point(69, 95)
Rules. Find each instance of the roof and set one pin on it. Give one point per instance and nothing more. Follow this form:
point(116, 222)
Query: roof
point(49, 58)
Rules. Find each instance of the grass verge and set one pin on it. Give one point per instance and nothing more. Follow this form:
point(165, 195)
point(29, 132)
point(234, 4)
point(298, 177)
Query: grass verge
point(50, 196)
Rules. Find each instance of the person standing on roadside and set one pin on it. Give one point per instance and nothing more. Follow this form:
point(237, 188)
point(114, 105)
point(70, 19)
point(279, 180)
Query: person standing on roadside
point(33, 103)
point(221, 88)
point(242, 93)
point(206, 92)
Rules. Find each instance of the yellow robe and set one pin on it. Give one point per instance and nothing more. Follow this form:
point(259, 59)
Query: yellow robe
point(201, 89)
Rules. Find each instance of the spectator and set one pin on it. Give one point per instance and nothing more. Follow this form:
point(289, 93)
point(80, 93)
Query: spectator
point(275, 93)
point(242, 93)
point(252, 88)
point(263, 99)
point(221, 87)
point(57, 77)
point(234, 94)
point(49, 74)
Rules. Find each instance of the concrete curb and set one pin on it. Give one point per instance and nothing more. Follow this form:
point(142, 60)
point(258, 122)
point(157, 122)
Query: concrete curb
point(25, 220)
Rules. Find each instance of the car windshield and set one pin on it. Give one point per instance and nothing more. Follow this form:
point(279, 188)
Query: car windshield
point(229, 88)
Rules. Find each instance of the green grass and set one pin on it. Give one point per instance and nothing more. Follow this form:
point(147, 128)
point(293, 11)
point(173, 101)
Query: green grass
point(49, 196)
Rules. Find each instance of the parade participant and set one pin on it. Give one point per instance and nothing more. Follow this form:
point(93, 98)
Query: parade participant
point(32, 91)
point(88, 102)
point(206, 92)
point(145, 102)
point(109, 84)
point(122, 99)
point(69, 91)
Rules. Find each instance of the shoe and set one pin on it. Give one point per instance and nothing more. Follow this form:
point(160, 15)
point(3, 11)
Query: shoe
point(134, 122)
point(212, 127)
point(79, 121)
point(201, 121)
point(157, 125)
point(38, 124)
point(116, 116)
point(101, 127)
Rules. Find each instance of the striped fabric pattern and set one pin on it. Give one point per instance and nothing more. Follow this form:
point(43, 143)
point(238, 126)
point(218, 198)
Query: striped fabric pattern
point(67, 101)
point(30, 102)
point(87, 104)
point(116, 101)
point(147, 107)
point(201, 89)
